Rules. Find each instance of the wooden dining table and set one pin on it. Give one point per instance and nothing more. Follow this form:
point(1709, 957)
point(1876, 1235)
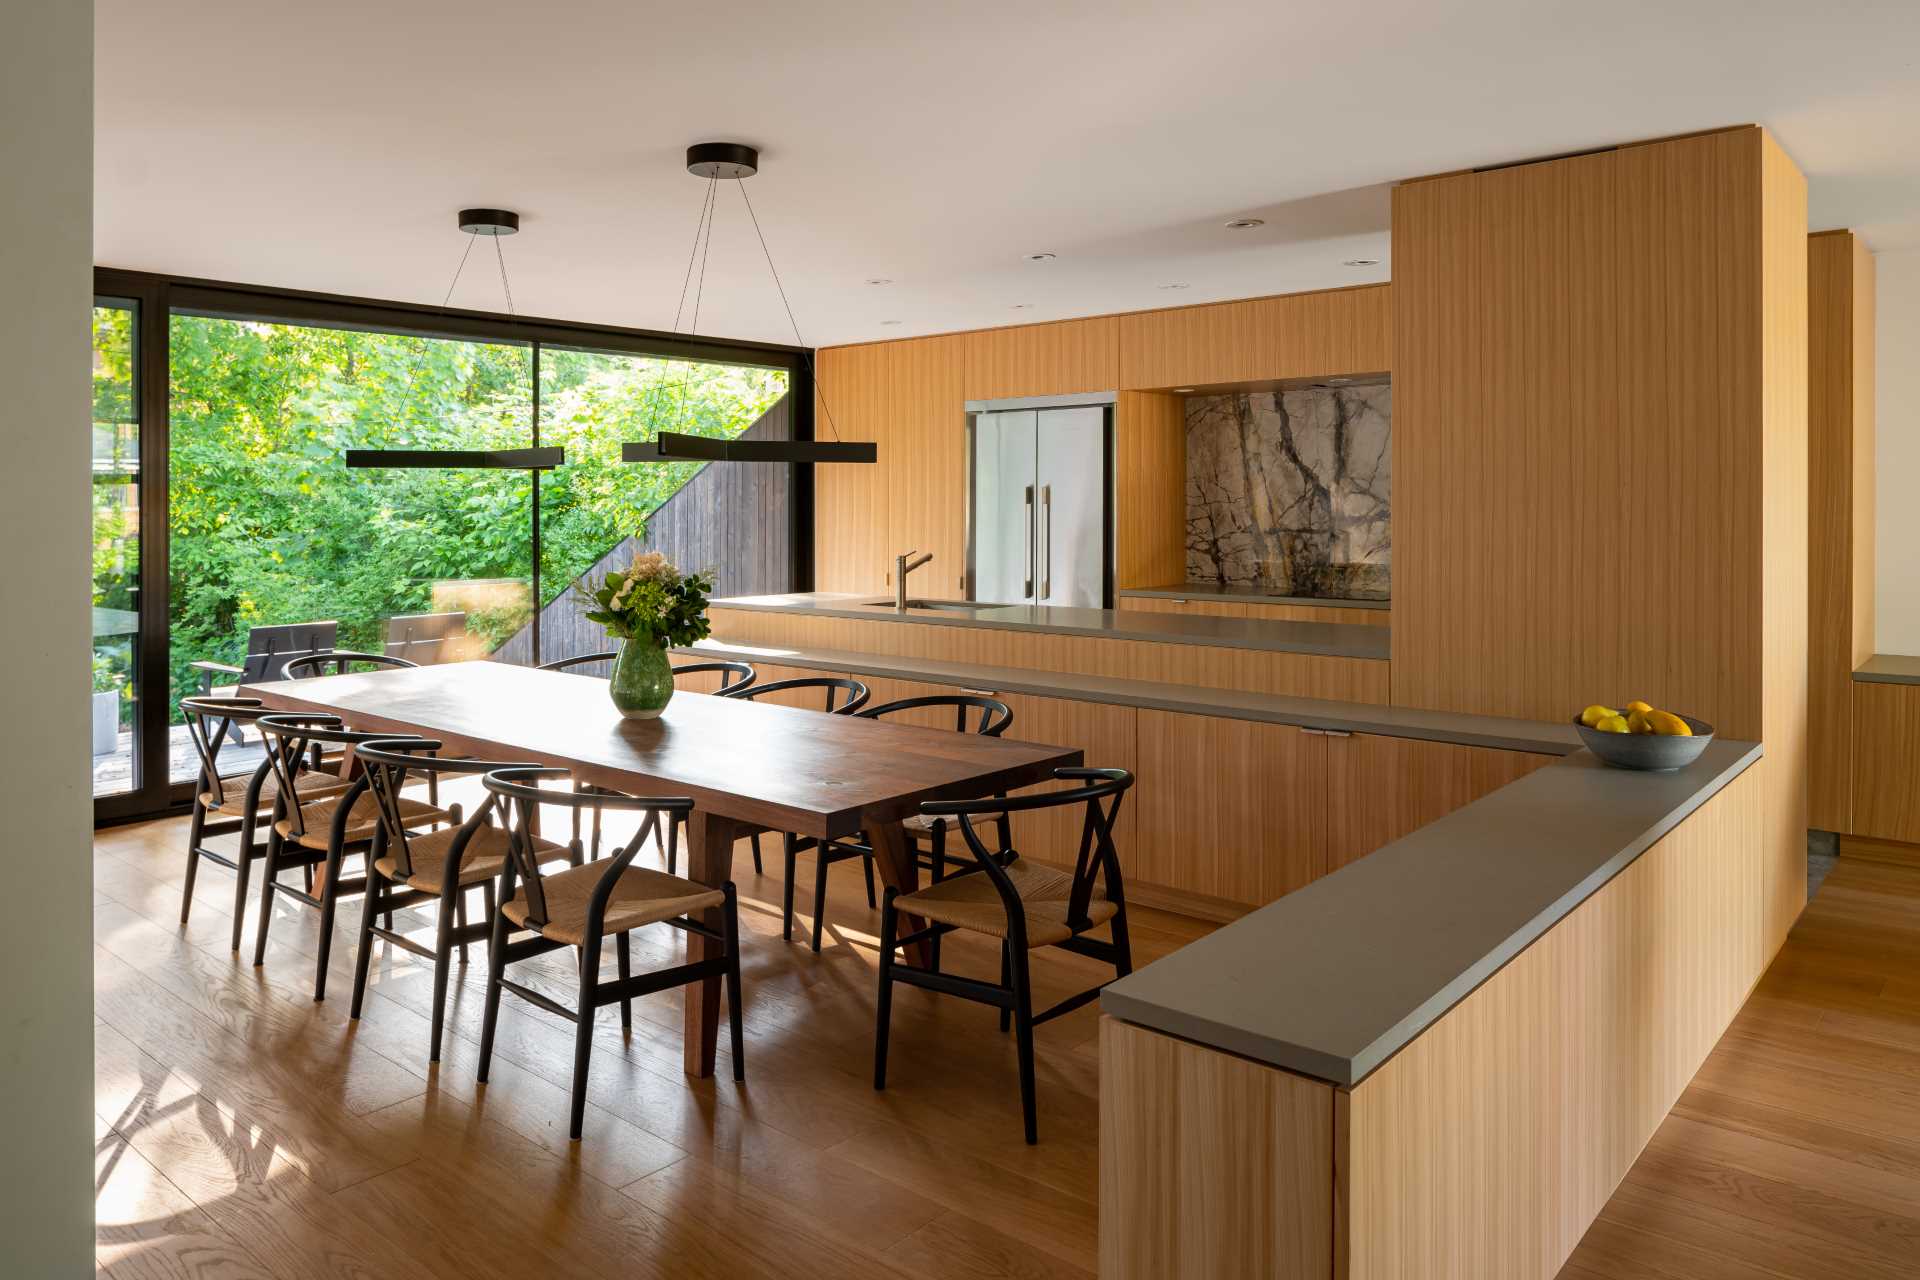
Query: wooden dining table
point(748, 766)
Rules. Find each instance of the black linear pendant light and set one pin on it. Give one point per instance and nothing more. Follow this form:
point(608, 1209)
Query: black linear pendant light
point(736, 162)
point(494, 224)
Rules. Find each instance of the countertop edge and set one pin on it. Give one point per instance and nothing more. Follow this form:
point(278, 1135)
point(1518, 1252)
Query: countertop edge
point(1212, 591)
point(1889, 668)
point(1457, 728)
point(1346, 648)
point(1347, 1072)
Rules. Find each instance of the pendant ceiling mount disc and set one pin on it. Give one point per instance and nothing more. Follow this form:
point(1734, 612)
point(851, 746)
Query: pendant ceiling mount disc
point(489, 222)
point(722, 160)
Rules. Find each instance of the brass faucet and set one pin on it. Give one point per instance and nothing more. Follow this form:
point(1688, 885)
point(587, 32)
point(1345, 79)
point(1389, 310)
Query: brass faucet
point(902, 566)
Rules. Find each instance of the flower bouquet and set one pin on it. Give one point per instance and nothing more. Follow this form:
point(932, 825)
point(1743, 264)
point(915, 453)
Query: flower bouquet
point(651, 607)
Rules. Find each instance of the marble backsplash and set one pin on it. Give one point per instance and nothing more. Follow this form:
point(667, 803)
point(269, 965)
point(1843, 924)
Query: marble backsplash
point(1290, 490)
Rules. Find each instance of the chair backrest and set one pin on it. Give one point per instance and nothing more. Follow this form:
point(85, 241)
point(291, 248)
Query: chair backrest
point(520, 787)
point(424, 638)
point(269, 649)
point(843, 694)
point(288, 736)
point(991, 716)
point(336, 662)
point(208, 720)
point(580, 660)
point(734, 676)
point(1101, 792)
point(389, 760)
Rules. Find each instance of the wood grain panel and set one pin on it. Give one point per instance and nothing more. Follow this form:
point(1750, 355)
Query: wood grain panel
point(1886, 761)
point(1060, 358)
point(1232, 809)
point(1379, 789)
point(1579, 438)
point(1106, 734)
point(1299, 335)
point(1150, 465)
point(1209, 1165)
point(1840, 487)
point(851, 504)
point(1203, 607)
point(927, 479)
point(1254, 670)
point(1191, 608)
point(1486, 1146)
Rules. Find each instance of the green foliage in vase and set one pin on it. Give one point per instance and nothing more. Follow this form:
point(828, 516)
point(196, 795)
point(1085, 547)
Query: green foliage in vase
point(650, 603)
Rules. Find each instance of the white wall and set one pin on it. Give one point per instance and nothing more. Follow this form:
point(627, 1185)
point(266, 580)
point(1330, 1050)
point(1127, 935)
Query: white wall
point(1896, 547)
point(46, 940)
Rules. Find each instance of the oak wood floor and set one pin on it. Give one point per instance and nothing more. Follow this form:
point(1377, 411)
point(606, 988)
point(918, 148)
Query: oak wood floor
point(1795, 1152)
point(243, 1130)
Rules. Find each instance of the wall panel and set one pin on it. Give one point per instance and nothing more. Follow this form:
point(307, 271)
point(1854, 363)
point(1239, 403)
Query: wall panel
point(1061, 358)
point(1150, 465)
point(1300, 335)
point(927, 475)
point(851, 503)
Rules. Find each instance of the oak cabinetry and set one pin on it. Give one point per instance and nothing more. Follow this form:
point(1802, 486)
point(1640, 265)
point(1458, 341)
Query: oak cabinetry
point(1197, 606)
point(1298, 335)
point(1379, 789)
point(1886, 761)
point(1061, 358)
point(853, 399)
point(1191, 608)
point(1230, 809)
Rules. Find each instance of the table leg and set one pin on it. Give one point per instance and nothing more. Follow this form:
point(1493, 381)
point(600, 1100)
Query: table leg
point(710, 840)
point(893, 851)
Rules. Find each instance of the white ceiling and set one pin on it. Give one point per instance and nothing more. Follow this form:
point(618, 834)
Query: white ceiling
point(327, 146)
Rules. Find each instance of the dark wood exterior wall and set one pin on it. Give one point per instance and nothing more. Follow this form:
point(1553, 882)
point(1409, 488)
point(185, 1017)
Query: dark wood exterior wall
point(733, 518)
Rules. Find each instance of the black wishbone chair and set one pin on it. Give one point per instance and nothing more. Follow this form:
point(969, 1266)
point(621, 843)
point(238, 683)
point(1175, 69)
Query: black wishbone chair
point(843, 695)
point(1022, 903)
point(579, 660)
point(735, 677)
point(313, 832)
point(439, 867)
point(316, 664)
point(990, 718)
point(232, 803)
point(580, 906)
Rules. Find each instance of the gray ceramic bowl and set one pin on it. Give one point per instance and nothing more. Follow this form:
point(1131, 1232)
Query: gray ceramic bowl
point(1650, 751)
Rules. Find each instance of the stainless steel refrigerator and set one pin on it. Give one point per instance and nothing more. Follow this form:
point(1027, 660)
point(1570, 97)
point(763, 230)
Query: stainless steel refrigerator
point(1040, 506)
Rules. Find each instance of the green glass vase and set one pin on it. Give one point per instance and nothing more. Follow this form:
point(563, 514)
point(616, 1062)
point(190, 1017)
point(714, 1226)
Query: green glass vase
point(642, 680)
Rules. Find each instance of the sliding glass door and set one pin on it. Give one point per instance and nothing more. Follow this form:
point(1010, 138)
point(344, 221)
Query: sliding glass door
point(113, 706)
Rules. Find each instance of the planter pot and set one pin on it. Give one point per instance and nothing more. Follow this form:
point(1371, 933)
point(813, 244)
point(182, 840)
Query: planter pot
point(106, 722)
point(642, 682)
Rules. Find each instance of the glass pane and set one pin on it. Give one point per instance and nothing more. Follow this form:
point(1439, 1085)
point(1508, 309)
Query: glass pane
point(591, 402)
point(278, 548)
point(116, 548)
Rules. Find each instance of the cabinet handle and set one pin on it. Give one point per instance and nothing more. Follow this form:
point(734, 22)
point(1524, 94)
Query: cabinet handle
point(1329, 733)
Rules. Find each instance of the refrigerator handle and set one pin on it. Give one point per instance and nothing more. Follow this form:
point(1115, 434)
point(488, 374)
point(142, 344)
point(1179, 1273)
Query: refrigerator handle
point(1046, 546)
point(1029, 528)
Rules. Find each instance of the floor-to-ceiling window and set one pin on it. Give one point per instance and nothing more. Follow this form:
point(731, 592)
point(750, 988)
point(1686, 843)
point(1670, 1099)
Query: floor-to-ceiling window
point(271, 544)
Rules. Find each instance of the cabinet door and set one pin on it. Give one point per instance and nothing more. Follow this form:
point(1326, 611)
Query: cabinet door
point(1190, 608)
point(1231, 809)
point(1319, 613)
point(1105, 734)
point(1379, 789)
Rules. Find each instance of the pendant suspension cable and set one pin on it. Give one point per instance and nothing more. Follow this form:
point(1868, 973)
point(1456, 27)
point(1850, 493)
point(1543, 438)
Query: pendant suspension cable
point(500, 256)
point(699, 292)
point(702, 230)
point(806, 352)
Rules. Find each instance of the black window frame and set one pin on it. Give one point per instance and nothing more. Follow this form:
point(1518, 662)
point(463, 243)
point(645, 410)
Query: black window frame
point(158, 297)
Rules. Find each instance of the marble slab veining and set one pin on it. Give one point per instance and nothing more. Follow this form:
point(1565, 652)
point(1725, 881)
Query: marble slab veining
point(1292, 490)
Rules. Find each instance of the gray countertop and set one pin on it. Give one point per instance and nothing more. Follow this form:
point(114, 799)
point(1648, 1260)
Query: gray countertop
point(1245, 594)
point(1542, 736)
point(1333, 979)
point(1323, 639)
point(1889, 668)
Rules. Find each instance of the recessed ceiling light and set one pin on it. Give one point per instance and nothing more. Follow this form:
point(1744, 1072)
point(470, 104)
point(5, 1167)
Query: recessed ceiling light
point(889, 322)
point(1173, 286)
point(1021, 306)
point(1361, 262)
point(1242, 224)
point(878, 280)
point(1040, 257)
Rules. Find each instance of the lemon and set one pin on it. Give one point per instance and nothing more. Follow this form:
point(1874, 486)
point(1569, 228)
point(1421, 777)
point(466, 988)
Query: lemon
point(1668, 725)
point(1594, 714)
point(1615, 723)
point(1637, 705)
point(1637, 722)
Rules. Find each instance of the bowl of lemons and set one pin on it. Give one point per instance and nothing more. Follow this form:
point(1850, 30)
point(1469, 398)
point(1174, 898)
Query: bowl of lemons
point(1641, 736)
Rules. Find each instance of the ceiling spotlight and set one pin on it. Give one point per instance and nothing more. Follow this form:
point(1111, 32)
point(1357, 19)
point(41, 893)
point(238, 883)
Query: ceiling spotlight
point(878, 280)
point(1361, 262)
point(1040, 257)
point(1242, 224)
point(1021, 306)
point(1173, 286)
point(889, 322)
